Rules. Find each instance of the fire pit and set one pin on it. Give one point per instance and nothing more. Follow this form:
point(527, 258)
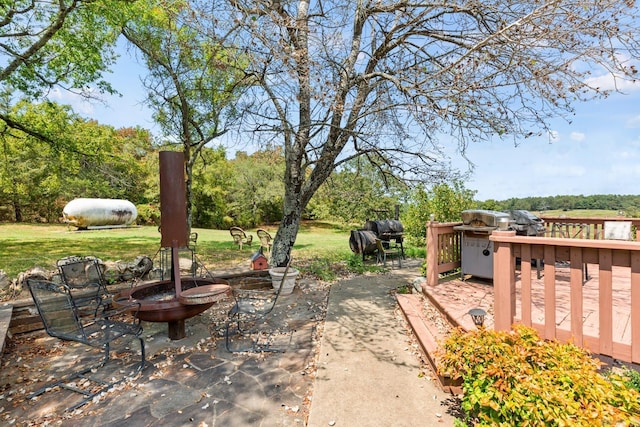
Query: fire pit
point(175, 300)
point(158, 301)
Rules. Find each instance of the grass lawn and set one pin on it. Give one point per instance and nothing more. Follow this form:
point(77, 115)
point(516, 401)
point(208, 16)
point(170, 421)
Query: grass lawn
point(23, 246)
point(580, 213)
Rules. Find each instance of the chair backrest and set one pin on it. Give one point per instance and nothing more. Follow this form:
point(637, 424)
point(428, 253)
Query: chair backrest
point(237, 233)
point(264, 236)
point(84, 275)
point(57, 309)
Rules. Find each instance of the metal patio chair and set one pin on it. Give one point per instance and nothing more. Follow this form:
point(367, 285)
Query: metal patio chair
point(88, 286)
point(64, 319)
point(388, 251)
point(249, 328)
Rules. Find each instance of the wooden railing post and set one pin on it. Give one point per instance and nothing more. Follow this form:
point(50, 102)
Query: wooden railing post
point(504, 283)
point(432, 254)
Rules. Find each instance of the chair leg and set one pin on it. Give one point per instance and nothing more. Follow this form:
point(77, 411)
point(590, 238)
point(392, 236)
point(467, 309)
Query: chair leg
point(82, 374)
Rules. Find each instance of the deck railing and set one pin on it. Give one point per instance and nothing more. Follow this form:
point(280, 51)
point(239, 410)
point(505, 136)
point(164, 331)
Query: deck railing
point(443, 249)
point(583, 228)
point(537, 291)
point(444, 244)
point(605, 254)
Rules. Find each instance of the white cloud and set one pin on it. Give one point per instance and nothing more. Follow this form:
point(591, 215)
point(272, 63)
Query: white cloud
point(577, 136)
point(611, 82)
point(79, 104)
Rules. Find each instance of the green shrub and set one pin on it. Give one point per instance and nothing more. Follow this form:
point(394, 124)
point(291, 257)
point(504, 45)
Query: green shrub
point(630, 376)
point(322, 269)
point(148, 215)
point(356, 265)
point(514, 378)
point(632, 379)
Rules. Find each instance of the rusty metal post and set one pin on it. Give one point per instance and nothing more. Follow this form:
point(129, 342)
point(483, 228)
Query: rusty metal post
point(173, 200)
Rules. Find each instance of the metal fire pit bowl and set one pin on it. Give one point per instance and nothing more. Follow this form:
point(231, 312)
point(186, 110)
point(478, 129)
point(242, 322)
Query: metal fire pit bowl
point(158, 301)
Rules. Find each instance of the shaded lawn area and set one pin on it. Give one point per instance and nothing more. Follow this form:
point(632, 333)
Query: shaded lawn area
point(23, 246)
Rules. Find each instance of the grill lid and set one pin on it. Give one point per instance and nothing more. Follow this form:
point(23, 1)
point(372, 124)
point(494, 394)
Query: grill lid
point(483, 218)
point(526, 224)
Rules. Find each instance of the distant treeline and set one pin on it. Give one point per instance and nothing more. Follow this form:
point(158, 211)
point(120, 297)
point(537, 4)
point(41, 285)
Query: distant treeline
point(629, 204)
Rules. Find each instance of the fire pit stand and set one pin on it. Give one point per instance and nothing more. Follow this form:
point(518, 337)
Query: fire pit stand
point(175, 300)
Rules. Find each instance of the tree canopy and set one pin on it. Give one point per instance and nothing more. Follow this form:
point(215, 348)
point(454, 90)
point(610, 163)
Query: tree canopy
point(342, 79)
point(332, 81)
point(67, 45)
point(37, 178)
point(193, 81)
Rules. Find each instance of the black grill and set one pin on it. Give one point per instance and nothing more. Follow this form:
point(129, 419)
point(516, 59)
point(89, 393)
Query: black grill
point(363, 241)
point(385, 229)
point(525, 223)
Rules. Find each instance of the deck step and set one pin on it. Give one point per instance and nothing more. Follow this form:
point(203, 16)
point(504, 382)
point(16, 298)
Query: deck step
point(427, 334)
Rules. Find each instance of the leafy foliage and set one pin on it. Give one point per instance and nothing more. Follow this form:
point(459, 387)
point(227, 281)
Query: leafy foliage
point(630, 376)
point(356, 192)
point(38, 179)
point(444, 201)
point(65, 44)
point(210, 192)
point(193, 81)
point(515, 378)
point(255, 191)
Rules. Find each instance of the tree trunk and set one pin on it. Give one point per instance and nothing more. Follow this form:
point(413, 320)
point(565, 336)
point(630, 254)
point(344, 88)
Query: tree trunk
point(17, 206)
point(17, 209)
point(286, 234)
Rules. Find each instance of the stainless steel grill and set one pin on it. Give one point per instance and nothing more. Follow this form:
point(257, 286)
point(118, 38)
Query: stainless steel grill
point(477, 249)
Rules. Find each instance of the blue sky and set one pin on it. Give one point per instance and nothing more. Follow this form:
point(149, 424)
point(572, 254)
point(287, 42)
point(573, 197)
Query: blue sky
point(598, 153)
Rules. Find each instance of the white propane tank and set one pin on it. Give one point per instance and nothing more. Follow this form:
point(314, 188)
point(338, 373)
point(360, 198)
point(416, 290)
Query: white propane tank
point(85, 213)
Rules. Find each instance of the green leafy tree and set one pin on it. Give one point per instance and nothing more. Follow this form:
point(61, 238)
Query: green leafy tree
point(256, 190)
point(67, 45)
point(210, 193)
point(193, 81)
point(356, 192)
point(38, 179)
point(444, 201)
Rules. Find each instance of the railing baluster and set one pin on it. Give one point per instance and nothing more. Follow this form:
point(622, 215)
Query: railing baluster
point(605, 301)
point(576, 280)
point(635, 307)
point(525, 281)
point(549, 292)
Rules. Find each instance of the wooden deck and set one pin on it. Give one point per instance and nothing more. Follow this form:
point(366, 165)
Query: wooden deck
point(455, 297)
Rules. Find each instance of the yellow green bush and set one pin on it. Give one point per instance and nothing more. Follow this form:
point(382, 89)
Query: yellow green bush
point(514, 378)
